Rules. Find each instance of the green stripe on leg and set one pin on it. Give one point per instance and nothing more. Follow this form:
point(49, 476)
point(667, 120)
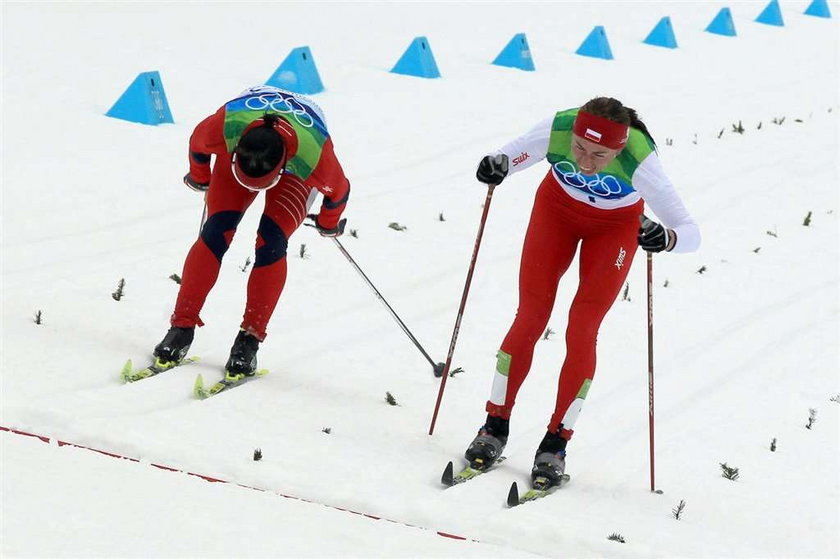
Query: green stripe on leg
point(503, 363)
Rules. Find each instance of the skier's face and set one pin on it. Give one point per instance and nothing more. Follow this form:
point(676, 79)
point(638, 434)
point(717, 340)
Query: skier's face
point(591, 157)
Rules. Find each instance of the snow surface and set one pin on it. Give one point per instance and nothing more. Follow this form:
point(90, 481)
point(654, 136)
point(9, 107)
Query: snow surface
point(743, 350)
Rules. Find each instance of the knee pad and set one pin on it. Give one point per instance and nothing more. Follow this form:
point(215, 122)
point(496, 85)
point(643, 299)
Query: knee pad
point(218, 231)
point(274, 243)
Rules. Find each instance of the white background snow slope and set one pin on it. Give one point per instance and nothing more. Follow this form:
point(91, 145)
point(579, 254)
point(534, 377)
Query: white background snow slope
point(743, 350)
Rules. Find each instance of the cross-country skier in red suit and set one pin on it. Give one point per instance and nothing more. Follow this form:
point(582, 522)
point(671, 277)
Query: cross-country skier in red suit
point(265, 140)
point(604, 168)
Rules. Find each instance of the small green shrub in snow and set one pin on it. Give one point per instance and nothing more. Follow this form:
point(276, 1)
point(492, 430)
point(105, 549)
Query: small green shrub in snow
point(812, 418)
point(455, 371)
point(118, 294)
point(678, 510)
point(729, 472)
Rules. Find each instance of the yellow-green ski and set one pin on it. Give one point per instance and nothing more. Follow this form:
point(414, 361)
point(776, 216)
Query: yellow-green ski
point(540, 488)
point(201, 392)
point(128, 374)
point(450, 478)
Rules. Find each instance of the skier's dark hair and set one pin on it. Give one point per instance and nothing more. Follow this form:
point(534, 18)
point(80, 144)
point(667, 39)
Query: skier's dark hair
point(613, 109)
point(261, 149)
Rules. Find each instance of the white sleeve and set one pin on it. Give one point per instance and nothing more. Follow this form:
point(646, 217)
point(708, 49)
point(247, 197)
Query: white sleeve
point(529, 148)
point(658, 193)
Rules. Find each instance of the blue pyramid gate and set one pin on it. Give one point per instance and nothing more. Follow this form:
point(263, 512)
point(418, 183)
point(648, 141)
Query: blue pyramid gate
point(818, 8)
point(516, 54)
point(297, 73)
point(417, 60)
point(596, 44)
point(722, 24)
point(144, 101)
point(771, 15)
point(662, 35)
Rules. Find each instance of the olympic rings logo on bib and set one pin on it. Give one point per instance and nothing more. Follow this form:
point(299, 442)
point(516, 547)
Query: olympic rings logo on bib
point(279, 103)
point(604, 186)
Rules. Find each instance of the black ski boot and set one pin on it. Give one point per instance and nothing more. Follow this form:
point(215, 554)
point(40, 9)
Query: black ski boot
point(549, 462)
point(488, 445)
point(174, 346)
point(243, 357)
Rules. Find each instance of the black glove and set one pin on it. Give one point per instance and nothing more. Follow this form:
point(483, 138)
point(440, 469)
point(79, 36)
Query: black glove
point(492, 169)
point(336, 232)
point(653, 237)
point(193, 185)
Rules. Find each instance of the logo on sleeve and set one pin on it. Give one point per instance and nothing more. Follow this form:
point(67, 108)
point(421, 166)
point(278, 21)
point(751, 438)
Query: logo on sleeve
point(520, 158)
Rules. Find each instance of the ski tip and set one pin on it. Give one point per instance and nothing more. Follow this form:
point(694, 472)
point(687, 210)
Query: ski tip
point(513, 495)
point(198, 387)
point(448, 477)
point(126, 370)
point(262, 373)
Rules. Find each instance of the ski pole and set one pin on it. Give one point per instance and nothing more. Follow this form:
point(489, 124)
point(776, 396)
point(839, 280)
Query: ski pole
point(650, 363)
point(490, 188)
point(436, 367)
point(203, 217)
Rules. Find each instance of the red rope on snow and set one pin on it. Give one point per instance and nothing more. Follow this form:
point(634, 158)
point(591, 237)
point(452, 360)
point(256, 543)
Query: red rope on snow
point(210, 479)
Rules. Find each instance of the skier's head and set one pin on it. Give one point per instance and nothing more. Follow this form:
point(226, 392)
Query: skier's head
point(600, 132)
point(259, 158)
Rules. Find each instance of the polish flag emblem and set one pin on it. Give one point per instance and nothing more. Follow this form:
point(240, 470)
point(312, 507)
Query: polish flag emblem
point(592, 135)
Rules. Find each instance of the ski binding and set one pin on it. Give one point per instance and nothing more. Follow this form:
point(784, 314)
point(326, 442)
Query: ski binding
point(202, 392)
point(541, 487)
point(128, 374)
point(450, 478)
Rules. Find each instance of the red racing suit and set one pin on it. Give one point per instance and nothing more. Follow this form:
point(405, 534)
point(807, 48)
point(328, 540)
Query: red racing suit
point(597, 215)
point(284, 209)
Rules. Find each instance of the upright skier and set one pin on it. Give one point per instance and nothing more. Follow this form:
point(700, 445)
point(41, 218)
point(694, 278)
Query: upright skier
point(604, 168)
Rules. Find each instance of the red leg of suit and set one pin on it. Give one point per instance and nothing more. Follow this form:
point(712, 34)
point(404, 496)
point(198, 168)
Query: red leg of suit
point(607, 241)
point(285, 209)
point(547, 253)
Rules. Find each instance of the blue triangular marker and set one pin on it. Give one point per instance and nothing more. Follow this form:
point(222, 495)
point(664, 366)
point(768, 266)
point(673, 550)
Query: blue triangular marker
point(818, 8)
point(722, 24)
point(297, 73)
point(417, 60)
point(144, 101)
point(662, 35)
point(596, 44)
point(516, 54)
point(771, 15)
